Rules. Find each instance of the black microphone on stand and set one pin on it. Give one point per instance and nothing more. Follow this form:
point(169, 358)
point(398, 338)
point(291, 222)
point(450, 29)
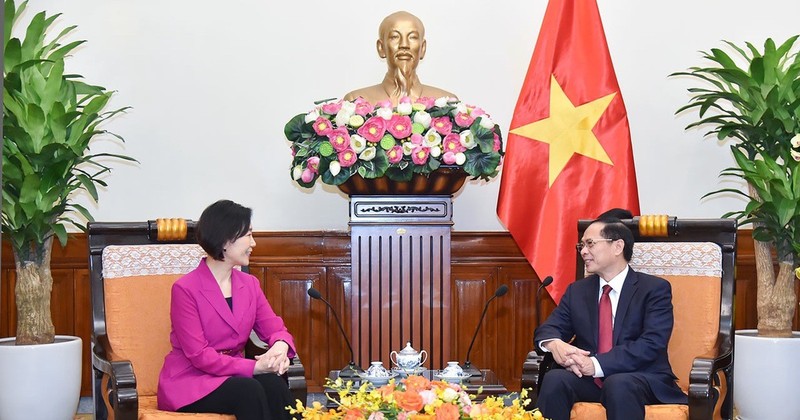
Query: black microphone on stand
point(352, 370)
point(468, 368)
point(546, 282)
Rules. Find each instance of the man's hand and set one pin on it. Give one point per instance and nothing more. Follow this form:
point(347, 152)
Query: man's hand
point(580, 364)
point(274, 360)
point(569, 356)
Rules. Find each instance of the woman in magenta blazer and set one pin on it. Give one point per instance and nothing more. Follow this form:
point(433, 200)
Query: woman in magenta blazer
point(213, 310)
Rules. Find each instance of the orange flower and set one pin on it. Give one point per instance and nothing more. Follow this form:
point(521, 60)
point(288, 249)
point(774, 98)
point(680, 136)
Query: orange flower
point(386, 390)
point(416, 383)
point(447, 412)
point(408, 400)
point(420, 417)
point(353, 414)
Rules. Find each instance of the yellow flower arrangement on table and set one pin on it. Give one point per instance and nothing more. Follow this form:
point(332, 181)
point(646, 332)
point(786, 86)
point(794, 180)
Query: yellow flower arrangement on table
point(413, 398)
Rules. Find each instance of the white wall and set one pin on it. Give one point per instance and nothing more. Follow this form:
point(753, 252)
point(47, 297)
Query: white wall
point(212, 84)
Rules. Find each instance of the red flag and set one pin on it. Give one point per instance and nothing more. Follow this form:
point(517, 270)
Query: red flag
point(569, 153)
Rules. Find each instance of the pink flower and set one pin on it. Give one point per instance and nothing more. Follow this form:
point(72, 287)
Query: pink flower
point(477, 112)
point(395, 154)
point(384, 104)
point(400, 126)
point(417, 138)
point(419, 155)
point(464, 120)
point(332, 108)
point(307, 176)
point(452, 143)
point(347, 158)
point(340, 139)
point(428, 102)
point(497, 143)
point(373, 129)
point(442, 125)
point(449, 158)
point(362, 106)
point(313, 164)
point(322, 126)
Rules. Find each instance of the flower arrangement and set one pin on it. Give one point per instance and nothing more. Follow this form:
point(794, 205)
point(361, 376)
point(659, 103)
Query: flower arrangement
point(413, 398)
point(339, 139)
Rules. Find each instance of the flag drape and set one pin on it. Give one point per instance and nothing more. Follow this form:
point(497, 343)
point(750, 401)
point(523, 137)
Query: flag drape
point(568, 154)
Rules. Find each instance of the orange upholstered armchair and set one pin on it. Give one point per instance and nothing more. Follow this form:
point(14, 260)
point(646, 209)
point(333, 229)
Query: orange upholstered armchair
point(697, 256)
point(133, 266)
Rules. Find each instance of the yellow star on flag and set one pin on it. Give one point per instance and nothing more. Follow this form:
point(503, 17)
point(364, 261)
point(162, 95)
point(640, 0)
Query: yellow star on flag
point(568, 130)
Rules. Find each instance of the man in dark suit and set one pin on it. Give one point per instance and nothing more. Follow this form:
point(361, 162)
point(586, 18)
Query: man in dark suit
point(613, 348)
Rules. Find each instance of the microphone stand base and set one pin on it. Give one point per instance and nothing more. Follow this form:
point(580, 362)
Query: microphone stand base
point(351, 371)
point(472, 370)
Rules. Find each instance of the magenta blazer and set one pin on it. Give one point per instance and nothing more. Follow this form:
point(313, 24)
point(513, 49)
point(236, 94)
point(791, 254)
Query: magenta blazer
point(208, 340)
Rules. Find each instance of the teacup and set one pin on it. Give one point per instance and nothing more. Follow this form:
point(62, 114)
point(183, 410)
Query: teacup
point(452, 370)
point(376, 370)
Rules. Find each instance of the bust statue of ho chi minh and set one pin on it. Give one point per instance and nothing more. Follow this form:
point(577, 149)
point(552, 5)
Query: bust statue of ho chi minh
point(401, 41)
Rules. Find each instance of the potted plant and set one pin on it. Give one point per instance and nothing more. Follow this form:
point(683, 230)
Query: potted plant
point(756, 106)
point(49, 121)
point(362, 147)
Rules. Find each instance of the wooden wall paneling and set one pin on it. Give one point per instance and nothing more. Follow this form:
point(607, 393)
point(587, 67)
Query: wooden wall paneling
point(83, 324)
point(286, 289)
point(7, 302)
point(517, 321)
point(472, 286)
point(338, 293)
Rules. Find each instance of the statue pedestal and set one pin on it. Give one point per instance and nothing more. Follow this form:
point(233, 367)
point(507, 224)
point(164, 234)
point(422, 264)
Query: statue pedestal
point(400, 247)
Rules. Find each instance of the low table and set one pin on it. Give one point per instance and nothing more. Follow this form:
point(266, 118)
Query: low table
point(488, 380)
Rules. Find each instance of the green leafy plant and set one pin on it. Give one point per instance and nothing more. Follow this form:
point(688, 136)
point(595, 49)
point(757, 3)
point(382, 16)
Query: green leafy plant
point(757, 107)
point(49, 121)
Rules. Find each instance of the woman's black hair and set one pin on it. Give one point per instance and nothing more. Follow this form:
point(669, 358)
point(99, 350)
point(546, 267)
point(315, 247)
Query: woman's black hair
point(220, 223)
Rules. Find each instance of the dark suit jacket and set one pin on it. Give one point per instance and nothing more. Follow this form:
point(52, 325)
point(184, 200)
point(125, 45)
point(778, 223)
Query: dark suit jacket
point(642, 327)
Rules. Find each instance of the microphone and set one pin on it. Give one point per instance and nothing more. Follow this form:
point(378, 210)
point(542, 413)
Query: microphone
point(468, 368)
point(546, 282)
point(352, 370)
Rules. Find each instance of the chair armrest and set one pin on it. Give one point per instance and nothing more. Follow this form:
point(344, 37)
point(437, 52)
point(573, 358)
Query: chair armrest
point(704, 382)
point(536, 365)
point(295, 375)
point(121, 392)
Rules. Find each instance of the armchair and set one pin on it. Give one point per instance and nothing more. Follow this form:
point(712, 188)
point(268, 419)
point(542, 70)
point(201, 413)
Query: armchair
point(132, 267)
point(697, 256)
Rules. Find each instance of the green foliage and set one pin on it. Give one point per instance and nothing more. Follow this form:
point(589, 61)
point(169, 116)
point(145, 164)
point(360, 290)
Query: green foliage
point(49, 121)
point(757, 106)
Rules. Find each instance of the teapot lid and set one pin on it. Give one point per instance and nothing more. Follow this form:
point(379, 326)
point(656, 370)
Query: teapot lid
point(408, 350)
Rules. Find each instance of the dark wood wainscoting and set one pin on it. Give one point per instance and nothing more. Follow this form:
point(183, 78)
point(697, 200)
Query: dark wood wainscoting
point(288, 263)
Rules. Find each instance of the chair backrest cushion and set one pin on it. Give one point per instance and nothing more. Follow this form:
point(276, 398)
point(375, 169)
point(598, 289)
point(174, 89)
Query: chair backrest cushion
point(137, 280)
point(694, 269)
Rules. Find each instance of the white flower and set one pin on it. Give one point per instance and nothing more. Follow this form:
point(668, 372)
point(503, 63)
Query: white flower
point(795, 155)
point(432, 138)
point(449, 395)
point(344, 114)
point(462, 108)
point(297, 171)
point(311, 116)
point(385, 113)
point(467, 139)
point(408, 148)
point(404, 108)
point(460, 158)
point(796, 141)
point(423, 118)
point(335, 167)
point(358, 143)
point(368, 154)
point(436, 151)
point(440, 102)
point(486, 122)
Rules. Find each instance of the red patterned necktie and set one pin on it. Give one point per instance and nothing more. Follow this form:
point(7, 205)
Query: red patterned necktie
point(605, 319)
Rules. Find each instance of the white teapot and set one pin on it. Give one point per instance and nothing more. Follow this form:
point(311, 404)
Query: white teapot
point(408, 358)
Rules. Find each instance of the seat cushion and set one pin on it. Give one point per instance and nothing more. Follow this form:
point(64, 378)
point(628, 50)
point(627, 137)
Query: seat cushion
point(148, 411)
point(595, 411)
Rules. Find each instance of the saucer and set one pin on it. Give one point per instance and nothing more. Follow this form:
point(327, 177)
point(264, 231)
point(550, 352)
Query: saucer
point(455, 379)
point(405, 372)
point(378, 380)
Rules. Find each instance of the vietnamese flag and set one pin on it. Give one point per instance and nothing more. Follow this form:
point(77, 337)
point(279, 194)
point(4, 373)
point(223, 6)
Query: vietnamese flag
point(568, 155)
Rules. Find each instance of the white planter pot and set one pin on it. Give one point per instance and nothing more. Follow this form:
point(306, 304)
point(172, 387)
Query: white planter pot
point(766, 374)
point(41, 381)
